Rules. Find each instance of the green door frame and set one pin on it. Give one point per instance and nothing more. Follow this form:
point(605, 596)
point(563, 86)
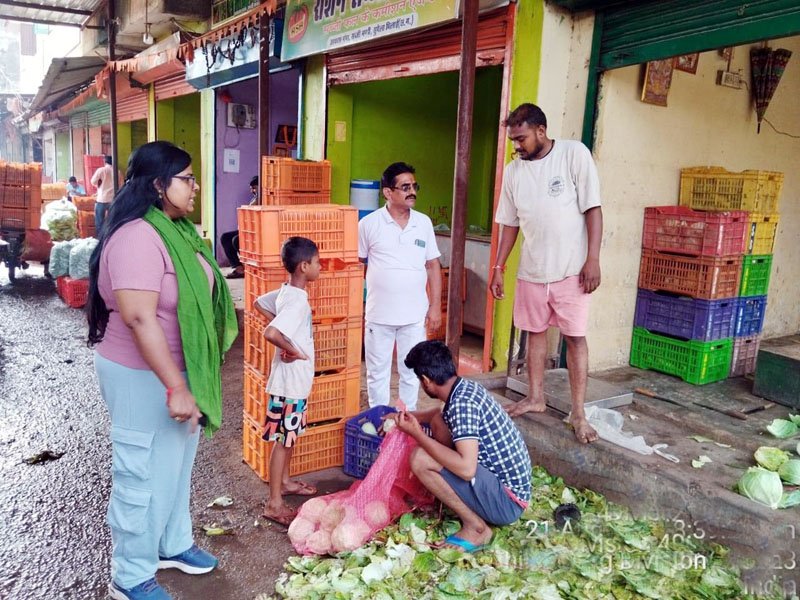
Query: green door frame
point(637, 33)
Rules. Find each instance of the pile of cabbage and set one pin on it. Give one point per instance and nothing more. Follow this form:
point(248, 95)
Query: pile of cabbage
point(765, 483)
point(607, 555)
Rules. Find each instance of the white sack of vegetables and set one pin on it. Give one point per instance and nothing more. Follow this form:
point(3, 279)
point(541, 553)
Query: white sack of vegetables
point(59, 258)
point(79, 258)
point(60, 218)
point(346, 520)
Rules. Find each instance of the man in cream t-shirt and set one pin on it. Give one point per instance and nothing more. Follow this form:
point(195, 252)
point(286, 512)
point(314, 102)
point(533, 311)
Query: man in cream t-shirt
point(552, 192)
point(399, 246)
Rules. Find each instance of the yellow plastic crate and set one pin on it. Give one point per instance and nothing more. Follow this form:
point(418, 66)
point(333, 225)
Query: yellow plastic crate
point(319, 447)
point(761, 233)
point(714, 188)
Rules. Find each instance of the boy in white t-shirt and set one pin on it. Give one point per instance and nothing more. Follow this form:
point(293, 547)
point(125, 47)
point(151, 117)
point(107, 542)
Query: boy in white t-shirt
point(292, 372)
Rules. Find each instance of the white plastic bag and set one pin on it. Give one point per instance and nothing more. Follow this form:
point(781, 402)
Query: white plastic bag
point(608, 424)
point(79, 258)
point(59, 258)
point(60, 218)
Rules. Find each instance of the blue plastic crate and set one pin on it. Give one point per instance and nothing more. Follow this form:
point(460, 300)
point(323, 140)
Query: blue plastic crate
point(750, 315)
point(684, 317)
point(361, 449)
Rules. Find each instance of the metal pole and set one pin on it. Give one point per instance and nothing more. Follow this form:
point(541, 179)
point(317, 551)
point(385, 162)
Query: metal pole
point(458, 236)
point(263, 90)
point(112, 92)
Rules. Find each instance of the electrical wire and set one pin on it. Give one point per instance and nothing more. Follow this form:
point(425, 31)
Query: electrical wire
point(767, 121)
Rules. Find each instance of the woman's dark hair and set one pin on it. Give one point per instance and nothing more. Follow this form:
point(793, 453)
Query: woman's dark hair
point(392, 171)
point(156, 161)
point(433, 360)
point(296, 250)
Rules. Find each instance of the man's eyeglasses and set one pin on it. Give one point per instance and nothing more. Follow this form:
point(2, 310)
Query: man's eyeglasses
point(406, 187)
point(191, 179)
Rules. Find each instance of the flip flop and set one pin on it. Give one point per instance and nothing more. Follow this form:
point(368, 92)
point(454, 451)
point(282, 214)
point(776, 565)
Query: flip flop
point(282, 520)
point(465, 545)
point(304, 489)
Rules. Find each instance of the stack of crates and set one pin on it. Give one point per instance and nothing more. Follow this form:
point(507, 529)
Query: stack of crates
point(758, 193)
point(91, 162)
point(336, 304)
point(687, 302)
point(85, 206)
point(20, 195)
point(440, 333)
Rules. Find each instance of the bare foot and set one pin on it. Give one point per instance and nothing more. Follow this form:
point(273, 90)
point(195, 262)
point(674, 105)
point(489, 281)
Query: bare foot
point(525, 406)
point(583, 431)
point(298, 488)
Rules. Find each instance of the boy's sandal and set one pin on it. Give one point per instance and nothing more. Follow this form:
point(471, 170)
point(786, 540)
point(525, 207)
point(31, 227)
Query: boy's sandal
point(284, 520)
point(303, 489)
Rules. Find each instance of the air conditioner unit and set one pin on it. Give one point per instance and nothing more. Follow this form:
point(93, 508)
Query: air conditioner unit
point(241, 116)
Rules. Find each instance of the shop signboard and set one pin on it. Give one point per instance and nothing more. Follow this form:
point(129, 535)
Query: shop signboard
point(317, 26)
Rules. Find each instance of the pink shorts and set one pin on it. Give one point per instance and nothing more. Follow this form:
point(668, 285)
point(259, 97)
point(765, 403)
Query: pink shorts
point(561, 304)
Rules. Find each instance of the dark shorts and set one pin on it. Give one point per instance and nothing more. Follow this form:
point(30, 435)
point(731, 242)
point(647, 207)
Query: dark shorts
point(286, 420)
point(485, 496)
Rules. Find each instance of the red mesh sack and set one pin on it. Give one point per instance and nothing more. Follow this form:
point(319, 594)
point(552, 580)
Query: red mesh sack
point(346, 520)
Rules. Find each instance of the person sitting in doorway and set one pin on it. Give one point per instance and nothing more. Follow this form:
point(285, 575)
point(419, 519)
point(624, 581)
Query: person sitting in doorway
point(74, 188)
point(230, 239)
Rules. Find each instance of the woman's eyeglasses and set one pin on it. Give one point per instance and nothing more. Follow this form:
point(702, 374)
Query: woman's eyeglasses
point(406, 187)
point(191, 179)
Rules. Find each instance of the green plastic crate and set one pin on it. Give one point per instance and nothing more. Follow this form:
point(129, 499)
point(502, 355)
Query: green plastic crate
point(755, 275)
point(694, 362)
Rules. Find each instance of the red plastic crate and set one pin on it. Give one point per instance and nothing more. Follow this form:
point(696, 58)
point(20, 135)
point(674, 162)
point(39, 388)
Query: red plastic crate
point(335, 296)
point(319, 447)
point(288, 174)
point(704, 277)
point(284, 198)
point(90, 164)
point(74, 292)
point(332, 396)
point(19, 218)
point(681, 230)
point(263, 229)
point(337, 346)
point(745, 352)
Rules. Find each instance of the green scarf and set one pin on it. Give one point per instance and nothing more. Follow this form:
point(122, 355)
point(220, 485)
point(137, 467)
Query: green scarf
point(207, 321)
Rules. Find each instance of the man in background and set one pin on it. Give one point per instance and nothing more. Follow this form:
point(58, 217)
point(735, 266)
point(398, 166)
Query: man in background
point(103, 180)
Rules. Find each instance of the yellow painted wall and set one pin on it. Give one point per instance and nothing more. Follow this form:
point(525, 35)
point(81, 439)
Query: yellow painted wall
point(640, 149)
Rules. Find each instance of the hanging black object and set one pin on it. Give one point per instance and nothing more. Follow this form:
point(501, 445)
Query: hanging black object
point(766, 68)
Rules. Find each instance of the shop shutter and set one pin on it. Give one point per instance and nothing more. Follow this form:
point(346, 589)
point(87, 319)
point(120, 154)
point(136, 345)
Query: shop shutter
point(132, 107)
point(434, 50)
point(100, 114)
point(633, 33)
point(173, 86)
point(79, 120)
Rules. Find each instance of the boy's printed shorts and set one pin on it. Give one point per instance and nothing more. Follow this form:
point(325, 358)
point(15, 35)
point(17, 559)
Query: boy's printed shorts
point(286, 419)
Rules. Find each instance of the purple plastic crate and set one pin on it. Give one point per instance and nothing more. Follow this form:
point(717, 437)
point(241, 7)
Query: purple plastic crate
point(684, 317)
point(750, 315)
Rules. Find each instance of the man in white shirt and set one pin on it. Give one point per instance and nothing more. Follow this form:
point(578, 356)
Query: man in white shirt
point(103, 180)
point(552, 192)
point(399, 246)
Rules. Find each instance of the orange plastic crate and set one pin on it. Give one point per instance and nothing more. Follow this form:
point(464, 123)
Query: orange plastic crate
point(706, 277)
point(287, 174)
point(74, 292)
point(335, 296)
point(84, 203)
point(284, 198)
point(337, 346)
point(263, 229)
point(19, 218)
point(332, 396)
point(319, 447)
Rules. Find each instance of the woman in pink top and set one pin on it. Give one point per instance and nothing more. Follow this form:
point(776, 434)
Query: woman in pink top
point(161, 318)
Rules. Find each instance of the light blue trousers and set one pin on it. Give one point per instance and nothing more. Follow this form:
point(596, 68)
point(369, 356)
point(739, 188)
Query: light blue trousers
point(151, 471)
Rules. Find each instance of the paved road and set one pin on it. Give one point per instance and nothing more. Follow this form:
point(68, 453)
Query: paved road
point(55, 540)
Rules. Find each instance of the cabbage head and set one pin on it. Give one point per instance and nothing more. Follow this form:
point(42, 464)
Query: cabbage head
point(762, 486)
point(781, 428)
point(771, 458)
point(790, 471)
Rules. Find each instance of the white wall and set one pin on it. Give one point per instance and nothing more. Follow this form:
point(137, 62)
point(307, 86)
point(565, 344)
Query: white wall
point(640, 149)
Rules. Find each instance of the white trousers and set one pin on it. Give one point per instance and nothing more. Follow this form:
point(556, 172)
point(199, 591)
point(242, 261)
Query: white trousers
point(379, 342)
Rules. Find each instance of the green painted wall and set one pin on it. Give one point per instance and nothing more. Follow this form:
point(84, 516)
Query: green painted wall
point(63, 155)
point(383, 122)
point(526, 63)
point(312, 117)
point(178, 121)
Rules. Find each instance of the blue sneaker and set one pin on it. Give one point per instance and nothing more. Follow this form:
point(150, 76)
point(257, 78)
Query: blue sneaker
point(194, 561)
point(149, 590)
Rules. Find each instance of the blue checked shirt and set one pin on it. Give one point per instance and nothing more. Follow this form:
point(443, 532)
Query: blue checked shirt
point(472, 414)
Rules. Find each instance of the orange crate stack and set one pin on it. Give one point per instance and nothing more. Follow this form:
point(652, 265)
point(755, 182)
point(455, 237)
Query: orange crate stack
point(86, 223)
point(296, 202)
point(290, 175)
point(320, 447)
point(263, 229)
point(441, 332)
point(20, 201)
